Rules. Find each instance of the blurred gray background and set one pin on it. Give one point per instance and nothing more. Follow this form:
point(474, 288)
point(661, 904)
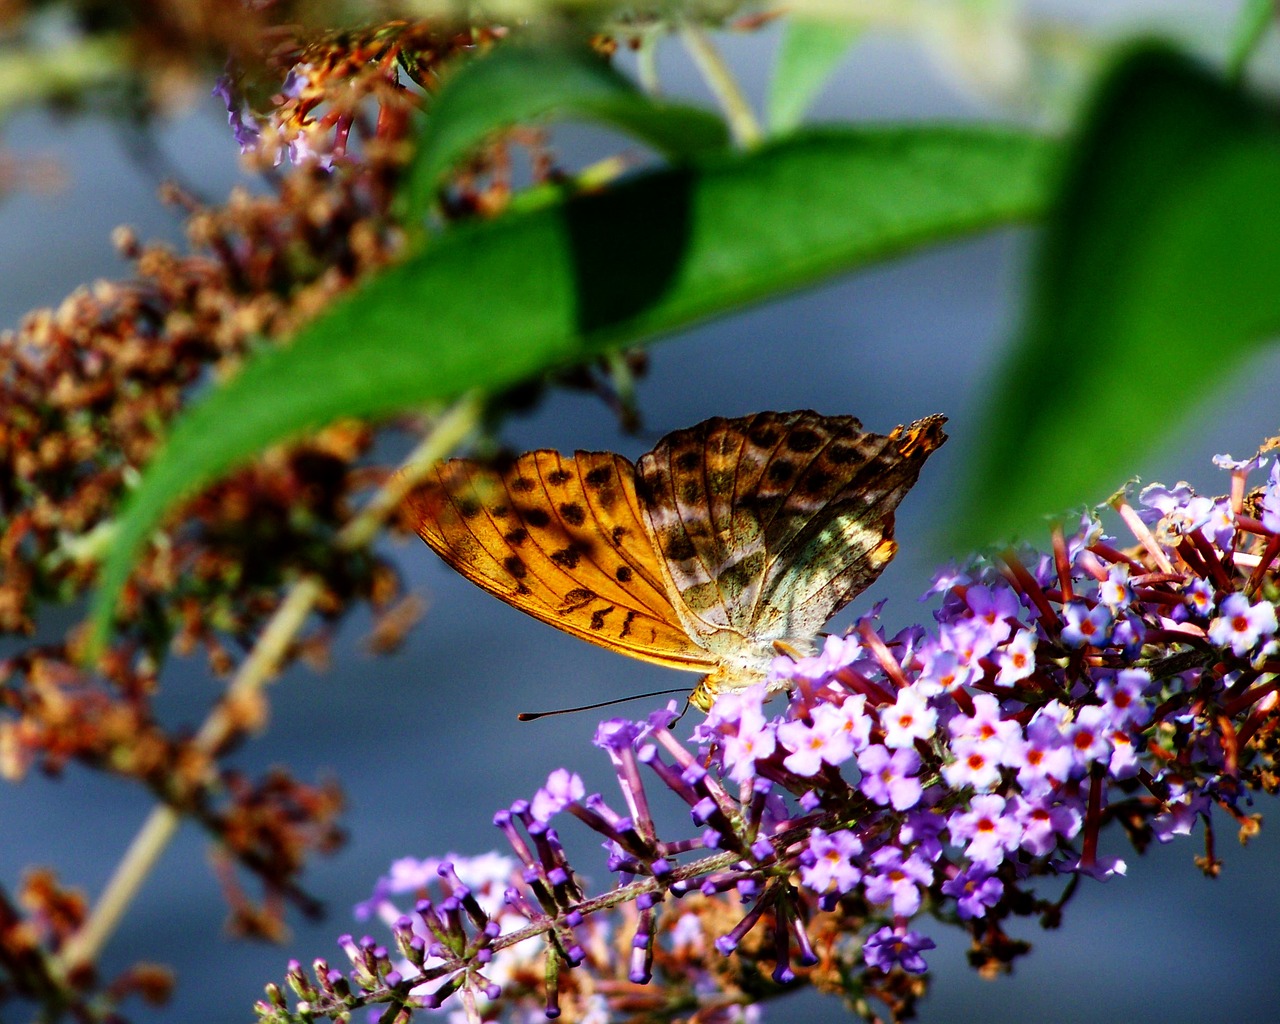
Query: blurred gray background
point(426, 743)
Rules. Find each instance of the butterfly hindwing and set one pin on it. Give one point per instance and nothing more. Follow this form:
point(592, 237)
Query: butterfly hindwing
point(770, 523)
point(834, 533)
point(561, 539)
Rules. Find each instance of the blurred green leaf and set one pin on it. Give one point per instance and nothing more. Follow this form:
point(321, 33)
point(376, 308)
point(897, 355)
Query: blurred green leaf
point(809, 52)
point(1255, 17)
point(517, 84)
point(502, 301)
point(1159, 273)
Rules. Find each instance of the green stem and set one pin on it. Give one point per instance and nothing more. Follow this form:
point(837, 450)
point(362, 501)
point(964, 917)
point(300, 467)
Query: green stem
point(724, 86)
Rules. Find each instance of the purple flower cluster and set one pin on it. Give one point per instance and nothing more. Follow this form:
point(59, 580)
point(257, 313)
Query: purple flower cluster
point(946, 770)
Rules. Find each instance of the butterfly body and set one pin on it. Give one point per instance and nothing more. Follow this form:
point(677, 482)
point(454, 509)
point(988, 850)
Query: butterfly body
point(725, 538)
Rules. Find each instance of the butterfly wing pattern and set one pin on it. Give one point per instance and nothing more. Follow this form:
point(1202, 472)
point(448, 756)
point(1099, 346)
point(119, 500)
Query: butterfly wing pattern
point(727, 537)
point(562, 539)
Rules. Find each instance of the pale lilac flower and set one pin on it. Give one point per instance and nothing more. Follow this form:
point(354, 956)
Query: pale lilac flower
point(1180, 813)
point(985, 726)
point(1018, 659)
point(1200, 596)
point(889, 779)
point(993, 606)
point(810, 745)
point(1240, 465)
point(1085, 625)
point(1124, 763)
point(1044, 820)
point(849, 718)
point(1115, 591)
point(989, 831)
point(975, 890)
point(976, 764)
point(1087, 735)
point(1271, 500)
point(920, 830)
point(946, 580)
point(1160, 500)
point(563, 788)
point(1042, 757)
point(972, 640)
point(908, 719)
point(745, 735)
point(827, 865)
point(1220, 525)
point(941, 671)
point(1242, 625)
point(897, 880)
point(1125, 697)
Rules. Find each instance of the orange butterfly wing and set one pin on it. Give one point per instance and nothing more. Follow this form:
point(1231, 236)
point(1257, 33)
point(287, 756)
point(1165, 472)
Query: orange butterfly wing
point(561, 539)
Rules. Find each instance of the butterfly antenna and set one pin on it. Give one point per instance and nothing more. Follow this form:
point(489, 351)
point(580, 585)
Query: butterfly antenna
point(530, 716)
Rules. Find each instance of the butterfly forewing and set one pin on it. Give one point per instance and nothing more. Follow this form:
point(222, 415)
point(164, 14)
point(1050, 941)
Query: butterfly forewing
point(561, 539)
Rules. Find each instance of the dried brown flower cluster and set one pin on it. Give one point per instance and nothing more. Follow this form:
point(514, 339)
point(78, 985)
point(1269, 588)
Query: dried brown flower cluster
point(87, 391)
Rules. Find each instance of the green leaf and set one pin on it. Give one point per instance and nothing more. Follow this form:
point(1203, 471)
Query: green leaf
point(502, 301)
point(809, 52)
point(1251, 26)
point(516, 84)
point(1159, 273)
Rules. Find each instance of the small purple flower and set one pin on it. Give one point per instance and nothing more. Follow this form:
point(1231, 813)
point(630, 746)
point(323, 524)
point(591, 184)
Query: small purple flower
point(850, 717)
point(976, 764)
point(1124, 763)
point(1084, 625)
point(1200, 597)
point(1044, 819)
point(941, 671)
point(890, 778)
point(920, 830)
point(1241, 625)
point(908, 719)
point(1018, 659)
point(616, 733)
point(830, 738)
point(1124, 697)
point(1159, 500)
point(745, 734)
point(992, 606)
point(1271, 500)
point(837, 652)
point(244, 127)
point(898, 880)
point(1115, 591)
point(827, 863)
point(1042, 758)
point(975, 890)
point(972, 640)
point(988, 828)
point(563, 788)
point(985, 726)
point(1239, 465)
point(1101, 870)
point(1182, 809)
point(1088, 735)
point(886, 949)
point(946, 580)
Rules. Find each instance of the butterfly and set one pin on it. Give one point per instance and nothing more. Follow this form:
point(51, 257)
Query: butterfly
point(729, 541)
